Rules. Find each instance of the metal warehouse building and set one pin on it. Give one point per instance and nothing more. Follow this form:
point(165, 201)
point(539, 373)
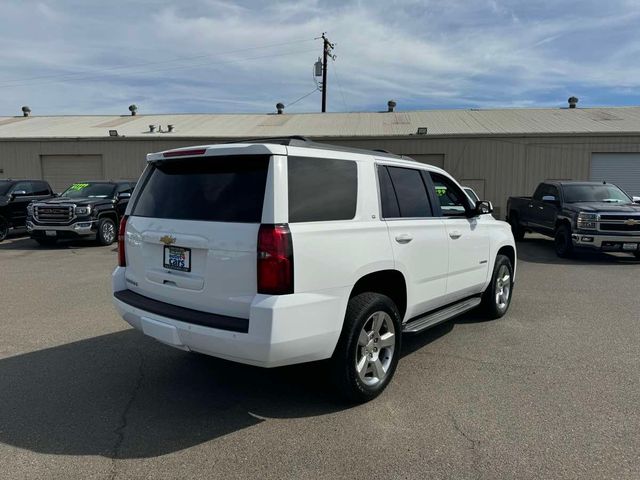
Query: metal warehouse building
point(496, 152)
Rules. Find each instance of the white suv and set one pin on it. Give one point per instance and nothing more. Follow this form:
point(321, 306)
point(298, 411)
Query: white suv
point(288, 251)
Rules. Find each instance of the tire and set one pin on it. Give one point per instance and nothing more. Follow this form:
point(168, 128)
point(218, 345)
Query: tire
point(107, 232)
point(46, 242)
point(497, 297)
point(4, 228)
point(562, 241)
point(368, 350)
point(516, 228)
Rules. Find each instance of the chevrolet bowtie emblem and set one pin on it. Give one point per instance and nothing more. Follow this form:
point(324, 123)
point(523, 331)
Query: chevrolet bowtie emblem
point(631, 222)
point(168, 240)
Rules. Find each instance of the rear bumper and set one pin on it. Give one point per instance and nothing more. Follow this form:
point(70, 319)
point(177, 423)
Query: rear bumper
point(282, 330)
point(606, 243)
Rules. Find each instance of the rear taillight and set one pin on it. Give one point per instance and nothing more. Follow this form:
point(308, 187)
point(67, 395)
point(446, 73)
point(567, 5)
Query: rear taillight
point(122, 259)
point(275, 260)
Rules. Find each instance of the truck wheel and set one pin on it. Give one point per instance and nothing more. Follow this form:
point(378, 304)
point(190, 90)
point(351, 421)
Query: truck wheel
point(563, 243)
point(516, 228)
point(497, 297)
point(367, 353)
point(4, 228)
point(46, 242)
point(106, 231)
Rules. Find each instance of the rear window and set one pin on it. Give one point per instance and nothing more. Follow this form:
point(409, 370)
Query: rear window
point(214, 189)
point(322, 189)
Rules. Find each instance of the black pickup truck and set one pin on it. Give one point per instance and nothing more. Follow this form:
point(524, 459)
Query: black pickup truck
point(592, 215)
point(15, 195)
point(84, 210)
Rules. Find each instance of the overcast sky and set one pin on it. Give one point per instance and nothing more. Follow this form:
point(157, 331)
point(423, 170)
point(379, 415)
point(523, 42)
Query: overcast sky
point(97, 57)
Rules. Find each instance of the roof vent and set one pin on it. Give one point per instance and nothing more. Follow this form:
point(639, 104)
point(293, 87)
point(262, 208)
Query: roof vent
point(280, 108)
point(133, 108)
point(573, 101)
point(26, 111)
point(152, 128)
point(391, 104)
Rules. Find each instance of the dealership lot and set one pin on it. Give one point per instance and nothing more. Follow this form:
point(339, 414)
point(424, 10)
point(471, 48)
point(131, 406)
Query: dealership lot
point(550, 391)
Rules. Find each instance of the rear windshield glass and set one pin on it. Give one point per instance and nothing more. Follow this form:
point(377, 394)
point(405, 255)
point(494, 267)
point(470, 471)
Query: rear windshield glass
point(322, 189)
point(594, 193)
point(215, 189)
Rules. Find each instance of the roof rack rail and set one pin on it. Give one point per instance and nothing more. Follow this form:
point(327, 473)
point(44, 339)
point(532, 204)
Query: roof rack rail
point(300, 141)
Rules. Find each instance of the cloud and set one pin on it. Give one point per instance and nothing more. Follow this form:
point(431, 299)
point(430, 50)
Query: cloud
point(71, 56)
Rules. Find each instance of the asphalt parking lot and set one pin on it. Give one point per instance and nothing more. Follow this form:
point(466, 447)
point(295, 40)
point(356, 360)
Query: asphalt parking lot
point(550, 391)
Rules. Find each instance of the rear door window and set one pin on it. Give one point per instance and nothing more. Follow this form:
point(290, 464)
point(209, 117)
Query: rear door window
point(322, 189)
point(215, 189)
point(411, 192)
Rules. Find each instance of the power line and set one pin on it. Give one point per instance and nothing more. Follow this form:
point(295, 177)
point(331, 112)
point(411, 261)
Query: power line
point(83, 75)
point(335, 73)
point(143, 71)
point(302, 97)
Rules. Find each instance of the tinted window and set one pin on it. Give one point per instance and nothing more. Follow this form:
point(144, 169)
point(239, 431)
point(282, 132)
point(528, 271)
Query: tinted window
point(216, 189)
point(41, 188)
point(388, 198)
point(322, 189)
point(453, 201)
point(4, 187)
point(540, 191)
point(23, 187)
point(411, 192)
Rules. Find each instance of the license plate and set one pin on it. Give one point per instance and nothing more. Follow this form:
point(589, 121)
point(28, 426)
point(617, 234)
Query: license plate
point(629, 246)
point(177, 258)
point(50, 233)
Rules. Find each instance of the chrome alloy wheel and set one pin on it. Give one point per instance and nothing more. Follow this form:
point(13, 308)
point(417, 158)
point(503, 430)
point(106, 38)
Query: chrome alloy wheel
point(108, 232)
point(503, 287)
point(376, 345)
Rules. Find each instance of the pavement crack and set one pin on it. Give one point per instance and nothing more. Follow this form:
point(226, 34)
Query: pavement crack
point(473, 444)
point(124, 417)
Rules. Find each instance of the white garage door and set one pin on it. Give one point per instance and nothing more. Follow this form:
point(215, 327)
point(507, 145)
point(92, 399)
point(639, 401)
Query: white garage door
point(623, 169)
point(63, 170)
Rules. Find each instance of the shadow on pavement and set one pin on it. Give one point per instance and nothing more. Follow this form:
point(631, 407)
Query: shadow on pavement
point(541, 250)
point(27, 243)
point(123, 395)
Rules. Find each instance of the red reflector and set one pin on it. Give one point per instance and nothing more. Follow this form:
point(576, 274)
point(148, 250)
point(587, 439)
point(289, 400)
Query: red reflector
point(275, 260)
point(184, 153)
point(122, 259)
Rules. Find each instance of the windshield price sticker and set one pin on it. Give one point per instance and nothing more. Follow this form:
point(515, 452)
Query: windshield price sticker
point(78, 186)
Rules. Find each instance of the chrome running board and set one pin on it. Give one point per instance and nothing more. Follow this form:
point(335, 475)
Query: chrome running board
point(447, 313)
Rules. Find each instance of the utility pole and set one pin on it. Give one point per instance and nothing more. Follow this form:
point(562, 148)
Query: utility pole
point(327, 48)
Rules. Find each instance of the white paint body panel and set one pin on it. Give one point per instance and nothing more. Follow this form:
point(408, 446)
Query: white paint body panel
point(329, 258)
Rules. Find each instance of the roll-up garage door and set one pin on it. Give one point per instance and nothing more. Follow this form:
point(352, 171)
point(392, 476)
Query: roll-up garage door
point(63, 170)
point(623, 169)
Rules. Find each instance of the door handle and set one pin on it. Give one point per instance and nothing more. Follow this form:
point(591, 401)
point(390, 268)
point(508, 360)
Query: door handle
point(455, 235)
point(404, 238)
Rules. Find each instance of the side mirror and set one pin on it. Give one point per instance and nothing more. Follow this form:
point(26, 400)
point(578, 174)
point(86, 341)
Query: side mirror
point(550, 199)
point(636, 199)
point(123, 195)
point(19, 193)
point(483, 207)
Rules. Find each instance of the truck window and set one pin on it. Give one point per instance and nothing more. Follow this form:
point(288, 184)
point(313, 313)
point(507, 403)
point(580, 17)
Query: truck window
point(322, 189)
point(388, 199)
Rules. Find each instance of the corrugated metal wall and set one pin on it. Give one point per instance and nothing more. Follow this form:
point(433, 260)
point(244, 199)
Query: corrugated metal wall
point(507, 165)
